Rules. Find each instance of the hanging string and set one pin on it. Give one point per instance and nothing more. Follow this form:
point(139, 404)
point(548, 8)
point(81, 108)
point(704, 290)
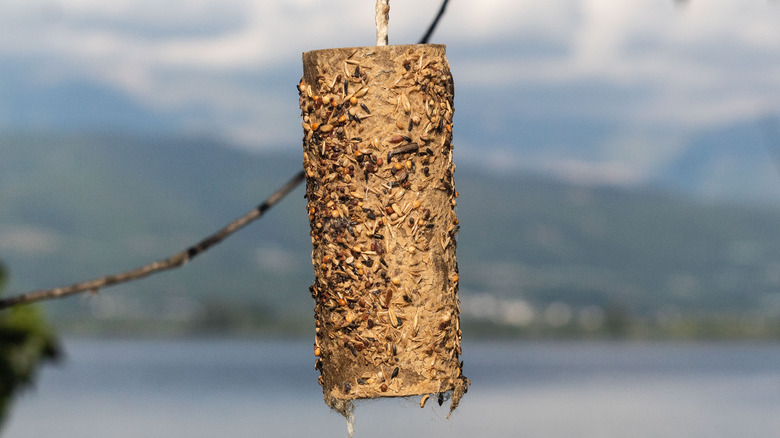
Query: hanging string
point(382, 18)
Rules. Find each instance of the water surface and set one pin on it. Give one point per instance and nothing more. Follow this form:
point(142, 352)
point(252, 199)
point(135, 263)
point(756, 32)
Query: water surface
point(216, 388)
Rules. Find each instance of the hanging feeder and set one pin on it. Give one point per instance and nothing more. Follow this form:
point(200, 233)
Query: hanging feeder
point(377, 155)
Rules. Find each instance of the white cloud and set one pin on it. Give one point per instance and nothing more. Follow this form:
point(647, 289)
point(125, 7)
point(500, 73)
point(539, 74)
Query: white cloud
point(702, 64)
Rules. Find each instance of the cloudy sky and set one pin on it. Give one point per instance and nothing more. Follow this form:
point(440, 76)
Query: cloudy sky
point(636, 79)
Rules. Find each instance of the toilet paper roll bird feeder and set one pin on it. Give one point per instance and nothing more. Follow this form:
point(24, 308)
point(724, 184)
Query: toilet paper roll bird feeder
point(378, 159)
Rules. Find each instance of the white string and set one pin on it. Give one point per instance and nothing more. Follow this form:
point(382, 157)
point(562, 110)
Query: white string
point(351, 425)
point(382, 17)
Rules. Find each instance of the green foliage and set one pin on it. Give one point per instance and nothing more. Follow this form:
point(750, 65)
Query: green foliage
point(25, 343)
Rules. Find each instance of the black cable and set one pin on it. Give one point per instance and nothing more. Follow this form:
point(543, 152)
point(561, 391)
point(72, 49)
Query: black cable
point(428, 34)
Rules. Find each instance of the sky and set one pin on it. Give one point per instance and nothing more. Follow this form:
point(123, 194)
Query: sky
point(635, 80)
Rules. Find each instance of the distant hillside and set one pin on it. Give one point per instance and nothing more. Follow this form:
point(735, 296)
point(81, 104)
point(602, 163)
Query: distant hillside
point(79, 206)
point(737, 162)
point(732, 162)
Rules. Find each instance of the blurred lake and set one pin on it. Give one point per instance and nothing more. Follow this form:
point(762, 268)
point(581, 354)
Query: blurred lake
point(264, 388)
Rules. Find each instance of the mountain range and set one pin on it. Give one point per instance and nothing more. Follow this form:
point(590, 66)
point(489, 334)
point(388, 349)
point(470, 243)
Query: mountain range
point(532, 248)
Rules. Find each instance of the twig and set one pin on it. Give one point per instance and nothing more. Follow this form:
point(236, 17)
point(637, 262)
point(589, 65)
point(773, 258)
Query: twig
point(382, 17)
point(171, 262)
point(428, 34)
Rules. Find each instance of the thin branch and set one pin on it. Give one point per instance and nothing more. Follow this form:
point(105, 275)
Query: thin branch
point(171, 262)
point(429, 33)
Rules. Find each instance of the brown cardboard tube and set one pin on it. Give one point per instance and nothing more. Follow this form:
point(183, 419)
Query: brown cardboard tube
point(377, 154)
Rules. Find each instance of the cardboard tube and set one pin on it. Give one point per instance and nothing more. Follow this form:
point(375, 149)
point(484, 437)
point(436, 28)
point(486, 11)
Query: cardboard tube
point(379, 182)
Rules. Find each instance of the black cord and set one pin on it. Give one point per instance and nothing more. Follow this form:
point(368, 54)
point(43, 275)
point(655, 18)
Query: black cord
point(428, 34)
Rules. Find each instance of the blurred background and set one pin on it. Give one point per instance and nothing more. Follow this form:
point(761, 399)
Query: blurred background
point(618, 169)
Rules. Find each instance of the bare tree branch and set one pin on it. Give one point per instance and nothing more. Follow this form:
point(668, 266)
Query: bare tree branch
point(171, 262)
